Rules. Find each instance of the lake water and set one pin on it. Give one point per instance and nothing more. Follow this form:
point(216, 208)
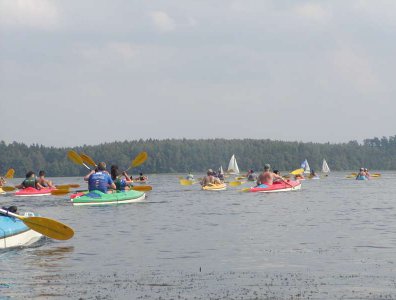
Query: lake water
point(336, 238)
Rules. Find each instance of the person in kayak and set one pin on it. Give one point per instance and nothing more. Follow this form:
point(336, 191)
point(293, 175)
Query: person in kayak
point(122, 184)
point(251, 176)
point(361, 175)
point(209, 179)
point(99, 180)
point(313, 174)
point(141, 177)
point(190, 176)
point(30, 181)
point(367, 173)
point(276, 172)
point(44, 182)
point(267, 177)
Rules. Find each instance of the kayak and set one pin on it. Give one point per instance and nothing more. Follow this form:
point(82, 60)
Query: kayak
point(14, 233)
point(215, 187)
point(99, 198)
point(30, 192)
point(281, 186)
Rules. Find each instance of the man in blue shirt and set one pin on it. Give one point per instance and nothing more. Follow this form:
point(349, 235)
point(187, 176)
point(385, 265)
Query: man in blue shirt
point(99, 180)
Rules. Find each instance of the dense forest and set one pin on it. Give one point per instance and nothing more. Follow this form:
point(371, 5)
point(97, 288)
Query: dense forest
point(182, 155)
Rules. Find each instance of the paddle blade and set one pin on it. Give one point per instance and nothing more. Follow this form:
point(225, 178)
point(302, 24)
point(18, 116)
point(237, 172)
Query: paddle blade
point(297, 171)
point(139, 159)
point(48, 227)
point(235, 183)
point(74, 157)
point(354, 174)
point(245, 190)
point(74, 185)
point(185, 182)
point(142, 188)
point(88, 160)
point(63, 187)
point(60, 192)
point(8, 188)
point(10, 174)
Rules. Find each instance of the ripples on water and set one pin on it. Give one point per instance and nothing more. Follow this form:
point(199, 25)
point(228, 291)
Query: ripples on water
point(335, 238)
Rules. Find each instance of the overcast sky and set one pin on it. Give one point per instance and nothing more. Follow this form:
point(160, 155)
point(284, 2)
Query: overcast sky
point(87, 72)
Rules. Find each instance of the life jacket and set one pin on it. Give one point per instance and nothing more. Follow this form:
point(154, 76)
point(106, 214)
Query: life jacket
point(120, 184)
point(29, 182)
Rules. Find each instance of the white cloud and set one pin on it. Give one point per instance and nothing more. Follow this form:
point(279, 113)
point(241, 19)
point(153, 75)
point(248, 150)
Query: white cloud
point(312, 11)
point(41, 14)
point(162, 21)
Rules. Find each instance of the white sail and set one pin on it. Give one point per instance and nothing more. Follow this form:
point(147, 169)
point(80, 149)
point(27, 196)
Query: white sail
point(305, 166)
point(325, 167)
point(233, 166)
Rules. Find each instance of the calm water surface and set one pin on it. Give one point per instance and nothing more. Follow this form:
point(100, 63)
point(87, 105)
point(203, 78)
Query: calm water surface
point(336, 238)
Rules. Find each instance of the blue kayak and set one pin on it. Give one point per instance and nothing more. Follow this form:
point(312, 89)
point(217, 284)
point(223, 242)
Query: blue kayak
point(14, 233)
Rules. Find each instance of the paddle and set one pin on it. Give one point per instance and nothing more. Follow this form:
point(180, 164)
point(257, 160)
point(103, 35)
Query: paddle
point(10, 174)
point(139, 159)
point(61, 192)
point(235, 183)
point(67, 186)
point(297, 171)
point(8, 188)
point(88, 160)
point(74, 157)
point(186, 182)
point(48, 227)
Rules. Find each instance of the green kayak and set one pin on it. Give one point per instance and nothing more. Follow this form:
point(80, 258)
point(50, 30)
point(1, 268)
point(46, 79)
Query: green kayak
point(99, 198)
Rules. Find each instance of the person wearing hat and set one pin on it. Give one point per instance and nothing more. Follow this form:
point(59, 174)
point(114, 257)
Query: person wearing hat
point(99, 180)
point(251, 176)
point(267, 177)
point(209, 179)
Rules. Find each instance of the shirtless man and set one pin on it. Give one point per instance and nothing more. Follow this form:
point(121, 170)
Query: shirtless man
point(267, 177)
point(210, 179)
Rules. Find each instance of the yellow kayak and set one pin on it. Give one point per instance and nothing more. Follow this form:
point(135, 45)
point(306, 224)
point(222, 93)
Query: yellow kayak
point(215, 187)
point(2, 191)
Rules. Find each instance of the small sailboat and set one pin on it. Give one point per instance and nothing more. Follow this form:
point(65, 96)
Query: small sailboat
point(221, 170)
point(325, 167)
point(305, 166)
point(233, 166)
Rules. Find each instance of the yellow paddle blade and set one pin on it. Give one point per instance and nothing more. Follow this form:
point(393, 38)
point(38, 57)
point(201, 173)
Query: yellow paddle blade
point(59, 192)
point(8, 188)
point(142, 188)
point(63, 187)
point(139, 159)
point(88, 160)
point(74, 157)
point(48, 227)
point(297, 171)
point(354, 174)
point(186, 182)
point(350, 176)
point(10, 174)
point(74, 185)
point(240, 177)
point(245, 190)
point(235, 183)
point(376, 175)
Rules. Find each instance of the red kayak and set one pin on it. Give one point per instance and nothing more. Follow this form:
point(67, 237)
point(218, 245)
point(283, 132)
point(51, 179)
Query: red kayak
point(281, 186)
point(30, 192)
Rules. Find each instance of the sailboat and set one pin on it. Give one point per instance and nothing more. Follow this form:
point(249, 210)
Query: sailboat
point(221, 170)
point(325, 167)
point(305, 166)
point(233, 166)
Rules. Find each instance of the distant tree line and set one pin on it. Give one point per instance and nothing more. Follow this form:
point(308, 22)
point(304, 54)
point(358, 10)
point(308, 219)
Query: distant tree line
point(183, 155)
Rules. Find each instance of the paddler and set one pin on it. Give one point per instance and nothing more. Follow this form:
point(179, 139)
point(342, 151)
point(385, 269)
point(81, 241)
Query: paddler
point(141, 177)
point(209, 179)
point(367, 173)
point(361, 174)
point(220, 175)
point(30, 181)
point(122, 184)
point(44, 182)
point(190, 176)
point(99, 179)
point(267, 177)
point(251, 176)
